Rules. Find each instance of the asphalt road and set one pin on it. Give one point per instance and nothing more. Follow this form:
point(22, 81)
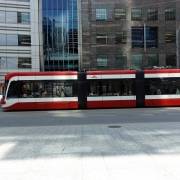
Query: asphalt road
point(92, 144)
point(88, 117)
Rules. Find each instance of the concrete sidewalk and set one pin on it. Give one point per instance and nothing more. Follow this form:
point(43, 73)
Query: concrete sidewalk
point(142, 144)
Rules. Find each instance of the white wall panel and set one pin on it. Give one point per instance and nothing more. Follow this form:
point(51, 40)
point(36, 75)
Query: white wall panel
point(34, 35)
point(24, 29)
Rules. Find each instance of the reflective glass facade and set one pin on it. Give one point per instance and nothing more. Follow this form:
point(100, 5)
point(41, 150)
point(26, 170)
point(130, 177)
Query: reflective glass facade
point(60, 34)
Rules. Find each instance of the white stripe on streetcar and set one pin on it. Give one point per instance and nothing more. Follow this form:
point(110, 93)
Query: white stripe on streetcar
point(111, 76)
point(173, 96)
point(111, 98)
point(156, 75)
point(162, 75)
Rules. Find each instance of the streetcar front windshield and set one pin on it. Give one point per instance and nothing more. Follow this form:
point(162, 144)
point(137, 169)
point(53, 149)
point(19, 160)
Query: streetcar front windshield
point(5, 88)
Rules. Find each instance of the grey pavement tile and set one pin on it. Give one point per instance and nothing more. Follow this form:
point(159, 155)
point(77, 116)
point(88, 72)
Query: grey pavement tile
point(93, 161)
point(58, 164)
point(146, 150)
point(76, 149)
point(174, 172)
point(10, 176)
point(142, 161)
point(64, 175)
point(116, 162)
point(51, 149)
point(77, 144)
point(117, 153)
point(14, 167)
point(21, 156)
point(95, 175)
point(140, 173)
point(167, 160)
point(156, 149)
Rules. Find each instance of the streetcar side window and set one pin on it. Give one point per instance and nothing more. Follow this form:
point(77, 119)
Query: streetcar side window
point(175, 86)
point(111, 88)
point(42, 89)
point(13, 91)
point(117, 87)
point(35, 89)
point(46, 89)
point(62, 88)
point(95, 88)
point(38, 89)
point(162, 86)
point(157, 86)
point(26, 89)
point(127, 87)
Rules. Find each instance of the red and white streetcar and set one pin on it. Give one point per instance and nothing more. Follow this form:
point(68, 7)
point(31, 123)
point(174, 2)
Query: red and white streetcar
point(91, 89)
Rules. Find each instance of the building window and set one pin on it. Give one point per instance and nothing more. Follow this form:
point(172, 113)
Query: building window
point(136, 14)
point(102, 60)
point(170, 36)
point(11, 17)
point(138, 37)
point(15, 63)
point(121, 37)
point(3, 63)
point(152, 14)
point(24, 63)
point(152, 59)
point(2, 16)
point(170, 14)
point(24, 40)
point(101, 15)
point(12, 62)
point(2, 39)
point(12, 40)
point(121, 61)
point(170, 60)
point(120, 14)
point(14, 17)
point(101, 37)
point(23, 17)
point(137, 60)
point(151, 37)
point(15, 40)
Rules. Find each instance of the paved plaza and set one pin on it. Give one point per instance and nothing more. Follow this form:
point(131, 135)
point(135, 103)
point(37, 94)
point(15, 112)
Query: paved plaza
point(104, 144)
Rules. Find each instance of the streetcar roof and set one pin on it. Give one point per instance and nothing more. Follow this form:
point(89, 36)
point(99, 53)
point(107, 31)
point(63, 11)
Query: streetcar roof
point(75, 73)
point(49, 73)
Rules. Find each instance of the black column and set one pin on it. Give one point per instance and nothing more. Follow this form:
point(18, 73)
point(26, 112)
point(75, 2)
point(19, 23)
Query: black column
point(140, 95)
point(82, 90)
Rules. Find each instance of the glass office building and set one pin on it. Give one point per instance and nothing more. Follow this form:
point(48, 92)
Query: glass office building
point(60, 35)
point(101, 34)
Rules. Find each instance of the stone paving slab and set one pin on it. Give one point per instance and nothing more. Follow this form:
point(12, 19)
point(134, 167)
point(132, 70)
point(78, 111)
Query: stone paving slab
point(79, 145)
